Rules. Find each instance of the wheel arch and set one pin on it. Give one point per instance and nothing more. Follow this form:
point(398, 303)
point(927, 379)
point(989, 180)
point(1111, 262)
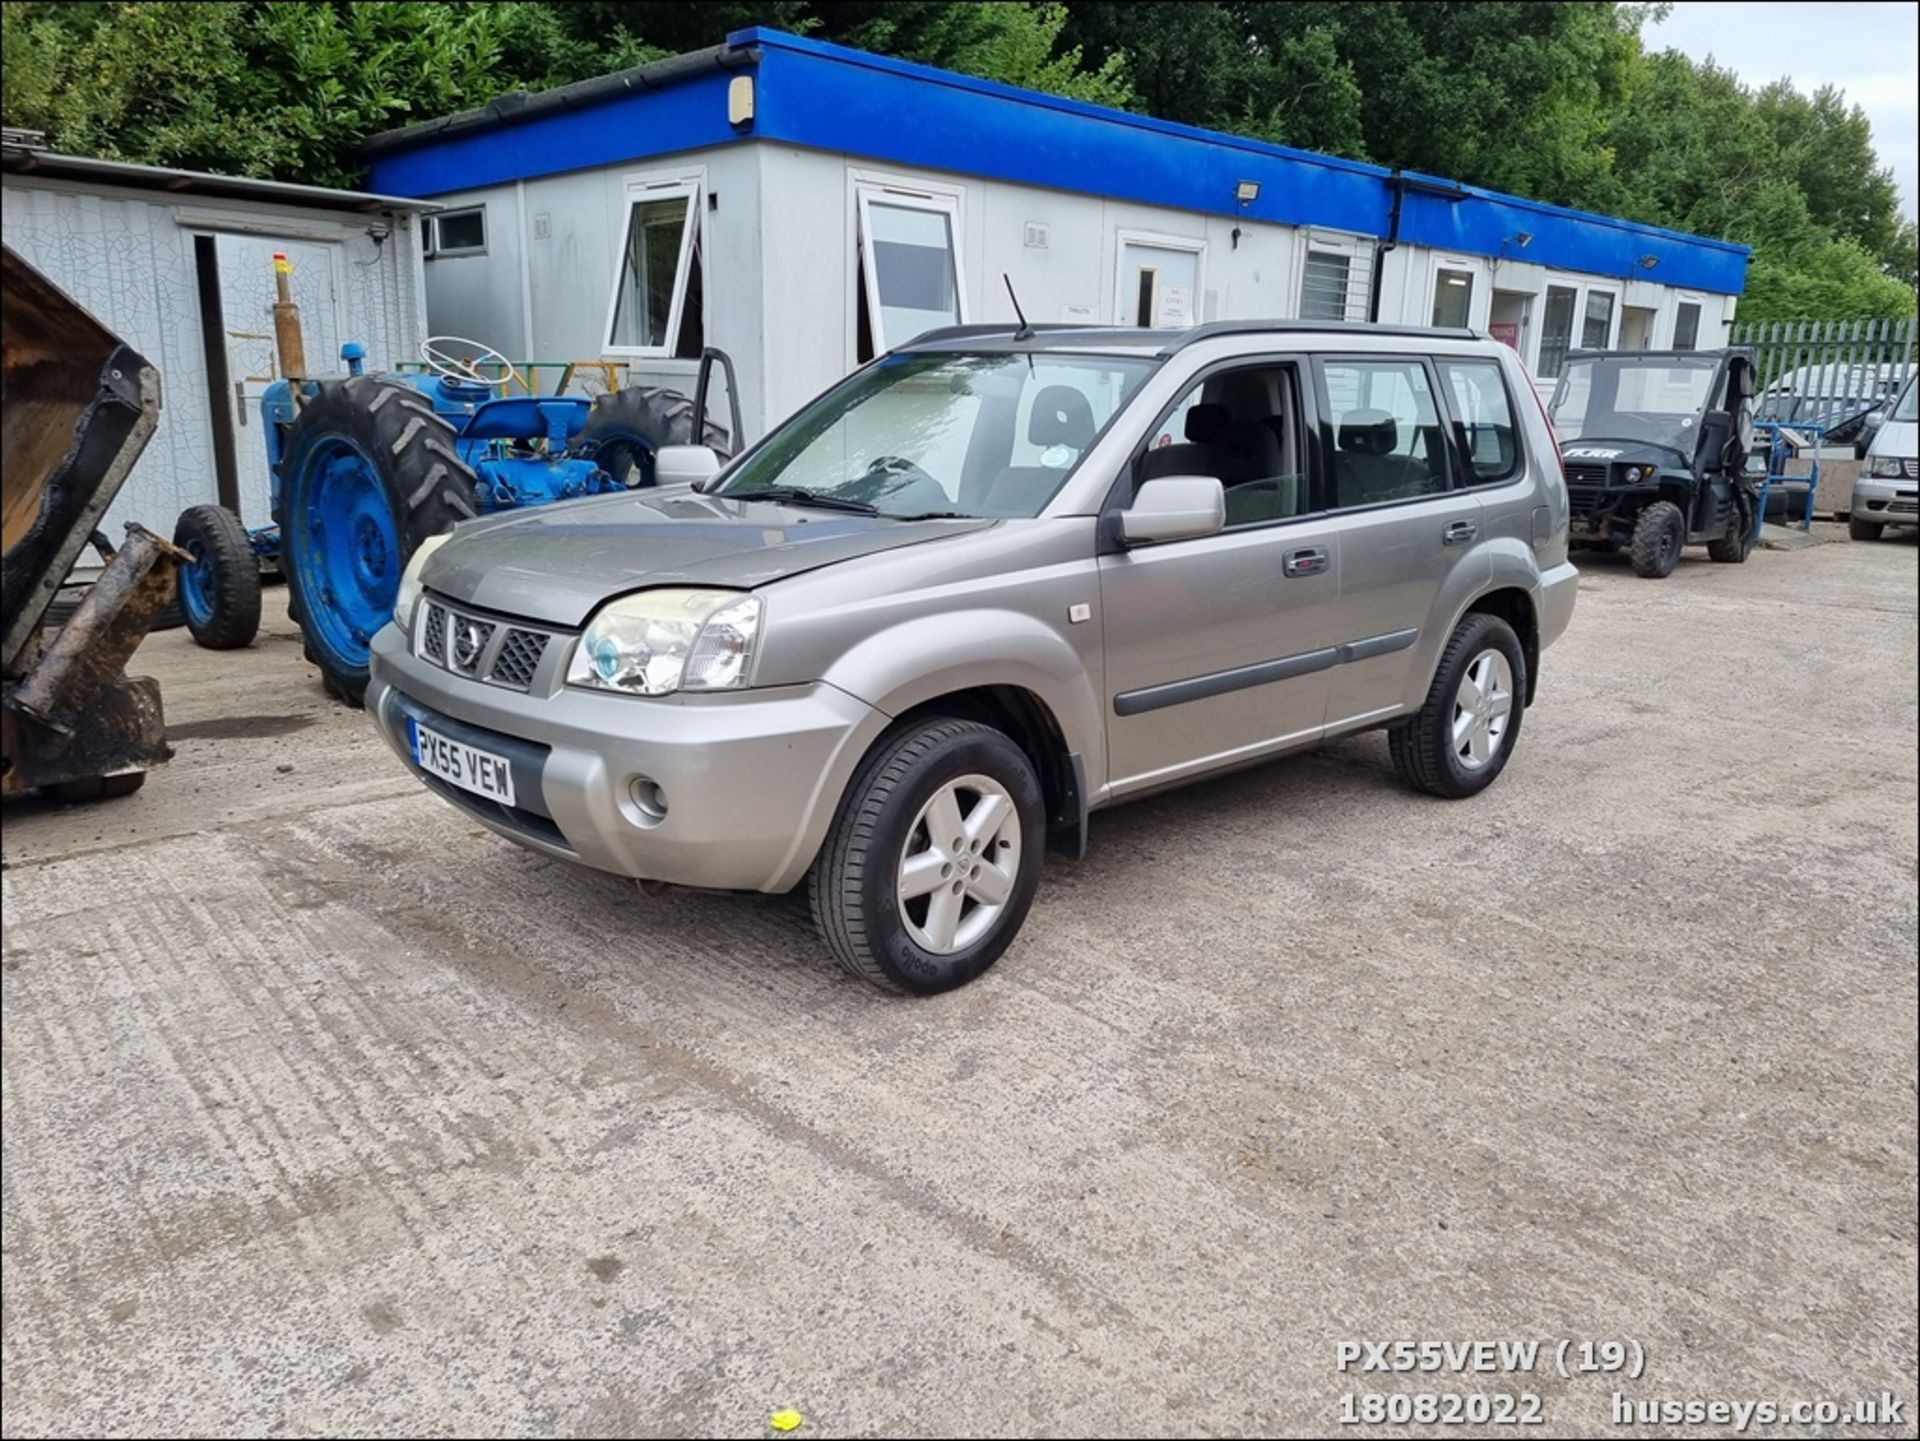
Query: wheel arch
point(1026, 718)
point(1515, 605)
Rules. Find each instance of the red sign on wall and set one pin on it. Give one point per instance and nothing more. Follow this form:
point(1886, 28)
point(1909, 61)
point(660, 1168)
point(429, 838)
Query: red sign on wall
point(1507, 332)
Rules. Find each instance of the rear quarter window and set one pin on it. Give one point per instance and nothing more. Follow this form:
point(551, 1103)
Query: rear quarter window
point(1483, 418)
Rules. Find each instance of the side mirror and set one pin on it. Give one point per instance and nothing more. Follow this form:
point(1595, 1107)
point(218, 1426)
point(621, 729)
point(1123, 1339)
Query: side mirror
point(684, 464)
point(1174, 507)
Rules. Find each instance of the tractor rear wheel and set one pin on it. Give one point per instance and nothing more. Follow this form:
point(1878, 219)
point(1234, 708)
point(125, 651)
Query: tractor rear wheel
point(625, 427)
point(1657, 537)
point(220, 591)
point(369, 471)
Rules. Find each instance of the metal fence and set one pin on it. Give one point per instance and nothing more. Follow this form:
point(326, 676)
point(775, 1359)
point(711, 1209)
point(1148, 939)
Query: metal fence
point(1827, 372)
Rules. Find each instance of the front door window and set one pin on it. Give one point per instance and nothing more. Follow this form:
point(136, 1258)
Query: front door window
point(1452, 297)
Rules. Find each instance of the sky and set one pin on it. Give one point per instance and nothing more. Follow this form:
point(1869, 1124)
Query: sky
point(1870, 51)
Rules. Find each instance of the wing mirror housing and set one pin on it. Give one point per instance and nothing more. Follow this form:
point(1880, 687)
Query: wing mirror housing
point(1174, 507)
point(684, 465)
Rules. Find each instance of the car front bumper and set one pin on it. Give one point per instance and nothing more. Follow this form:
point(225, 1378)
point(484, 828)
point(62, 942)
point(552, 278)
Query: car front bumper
point(1886, 501)
point(751, 778)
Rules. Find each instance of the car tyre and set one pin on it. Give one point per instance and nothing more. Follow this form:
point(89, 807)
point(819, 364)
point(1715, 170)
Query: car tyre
point(1736, 545)
point(1451, 746)
point(1864, 529)
point(882, 840)
point(1657, 537)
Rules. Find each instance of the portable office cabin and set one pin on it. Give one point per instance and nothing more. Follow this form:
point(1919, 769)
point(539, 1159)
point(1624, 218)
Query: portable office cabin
point(180, 264)
point(803, 206)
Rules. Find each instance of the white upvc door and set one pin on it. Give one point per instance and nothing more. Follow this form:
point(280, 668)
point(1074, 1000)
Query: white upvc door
point(1159, 280)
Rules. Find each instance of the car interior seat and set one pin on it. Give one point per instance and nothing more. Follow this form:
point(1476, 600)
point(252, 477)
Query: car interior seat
point(1366, 469)
point(1061, 420)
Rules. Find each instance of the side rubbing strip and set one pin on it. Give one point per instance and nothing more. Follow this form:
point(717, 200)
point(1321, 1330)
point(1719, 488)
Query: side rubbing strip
point(1178, 692)
point(1377, 645)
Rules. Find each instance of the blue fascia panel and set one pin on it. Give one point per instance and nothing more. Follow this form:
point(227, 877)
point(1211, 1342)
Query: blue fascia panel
point(827, 97)
point(1486, 222)
point(690, 115)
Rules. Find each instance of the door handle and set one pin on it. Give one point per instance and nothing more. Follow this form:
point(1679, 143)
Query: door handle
point(1310, 560)
point(1460, 532)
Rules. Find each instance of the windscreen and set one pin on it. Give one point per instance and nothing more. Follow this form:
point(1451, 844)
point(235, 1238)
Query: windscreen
point(1906, 408)
point(1627, 398)
point(992, 434)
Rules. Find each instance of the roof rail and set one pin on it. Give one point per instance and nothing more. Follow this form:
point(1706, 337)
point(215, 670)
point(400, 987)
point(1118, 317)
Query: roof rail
point(984, 328)
point(1213, 328)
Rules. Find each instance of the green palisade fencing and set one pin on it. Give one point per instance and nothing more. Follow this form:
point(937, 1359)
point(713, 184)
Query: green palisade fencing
point(1825, 371)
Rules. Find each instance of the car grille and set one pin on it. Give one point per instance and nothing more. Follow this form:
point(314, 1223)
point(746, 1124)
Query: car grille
point(1905, 507)
point(471, 645)
point(519, 657)
point(1589, 475)
point(433, 636)
point(1910, 468)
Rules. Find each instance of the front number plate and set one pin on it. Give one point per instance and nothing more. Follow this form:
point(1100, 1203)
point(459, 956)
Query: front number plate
point(482, 772)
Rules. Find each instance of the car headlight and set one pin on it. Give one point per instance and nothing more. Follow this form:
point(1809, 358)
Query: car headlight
point(408, 596)
point(661, 641)
point(1884, 467)
point(1637, 473)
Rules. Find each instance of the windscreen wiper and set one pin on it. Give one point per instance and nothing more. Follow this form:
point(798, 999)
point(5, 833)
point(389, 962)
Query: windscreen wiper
point(799, 495)
point(931, 515)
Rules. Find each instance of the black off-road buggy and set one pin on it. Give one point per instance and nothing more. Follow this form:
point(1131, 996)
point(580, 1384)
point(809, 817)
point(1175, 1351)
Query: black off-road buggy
point(1657, 446)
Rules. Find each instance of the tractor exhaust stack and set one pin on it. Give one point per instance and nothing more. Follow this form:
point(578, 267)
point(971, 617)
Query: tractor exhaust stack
point(286, 322)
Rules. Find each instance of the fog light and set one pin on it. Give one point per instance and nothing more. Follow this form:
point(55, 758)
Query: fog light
point(648, 799)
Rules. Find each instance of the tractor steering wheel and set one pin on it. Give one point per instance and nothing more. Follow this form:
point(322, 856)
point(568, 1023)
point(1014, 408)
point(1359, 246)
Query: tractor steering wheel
point(466, 369)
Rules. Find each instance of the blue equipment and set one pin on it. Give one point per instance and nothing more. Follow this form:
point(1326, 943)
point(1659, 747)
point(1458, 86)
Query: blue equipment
point(367, 466)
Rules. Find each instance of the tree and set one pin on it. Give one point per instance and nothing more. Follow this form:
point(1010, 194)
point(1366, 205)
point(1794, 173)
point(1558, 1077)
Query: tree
point(1557, 101)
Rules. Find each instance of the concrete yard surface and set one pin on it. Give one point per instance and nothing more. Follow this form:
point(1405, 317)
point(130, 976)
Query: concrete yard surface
point(327, 1111)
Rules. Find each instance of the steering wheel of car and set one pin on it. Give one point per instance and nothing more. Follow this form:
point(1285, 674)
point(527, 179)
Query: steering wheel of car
point(465, 369)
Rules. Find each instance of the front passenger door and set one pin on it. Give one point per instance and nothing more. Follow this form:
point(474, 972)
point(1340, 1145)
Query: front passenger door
point(1219, 648)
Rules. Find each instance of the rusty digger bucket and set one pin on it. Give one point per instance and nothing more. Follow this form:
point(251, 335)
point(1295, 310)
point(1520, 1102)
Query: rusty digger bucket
point(78, 408)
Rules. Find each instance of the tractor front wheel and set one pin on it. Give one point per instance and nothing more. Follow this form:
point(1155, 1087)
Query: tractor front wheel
point(220, 590)
point(625, 427)
point(369, 471)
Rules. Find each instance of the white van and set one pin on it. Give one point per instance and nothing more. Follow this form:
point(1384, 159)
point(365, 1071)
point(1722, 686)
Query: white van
point(1888, 491)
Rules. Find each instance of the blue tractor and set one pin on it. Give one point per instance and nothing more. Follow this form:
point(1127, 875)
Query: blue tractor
point(366, 466)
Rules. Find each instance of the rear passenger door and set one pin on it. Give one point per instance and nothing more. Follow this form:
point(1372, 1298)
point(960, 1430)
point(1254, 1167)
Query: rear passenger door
point(1408, 531)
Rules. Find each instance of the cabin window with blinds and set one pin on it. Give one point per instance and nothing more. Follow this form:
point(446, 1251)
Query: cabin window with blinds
point(1324, 285)
point(657, 306)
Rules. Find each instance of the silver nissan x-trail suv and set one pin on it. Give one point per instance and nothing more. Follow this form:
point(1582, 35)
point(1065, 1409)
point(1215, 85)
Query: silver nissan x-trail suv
point(987, 584)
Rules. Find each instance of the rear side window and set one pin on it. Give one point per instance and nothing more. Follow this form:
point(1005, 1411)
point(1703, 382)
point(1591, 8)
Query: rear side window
point(1388, 436)
point(1482, 418)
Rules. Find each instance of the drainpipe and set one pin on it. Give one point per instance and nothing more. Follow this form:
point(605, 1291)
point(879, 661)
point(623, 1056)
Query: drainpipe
point(1381, 247)
point(1401, 184)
